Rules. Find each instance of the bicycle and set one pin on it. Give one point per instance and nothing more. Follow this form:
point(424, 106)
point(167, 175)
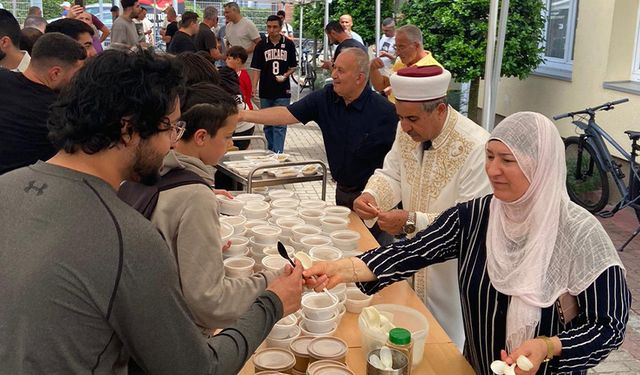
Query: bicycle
point(589, 163)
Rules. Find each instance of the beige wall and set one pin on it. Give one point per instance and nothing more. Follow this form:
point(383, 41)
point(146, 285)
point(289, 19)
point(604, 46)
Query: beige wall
point(603, 51)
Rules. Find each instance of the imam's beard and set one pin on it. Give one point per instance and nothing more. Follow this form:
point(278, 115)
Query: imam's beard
point(146, 169)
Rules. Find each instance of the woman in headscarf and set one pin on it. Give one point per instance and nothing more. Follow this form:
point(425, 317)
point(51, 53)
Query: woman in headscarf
point(519, 251)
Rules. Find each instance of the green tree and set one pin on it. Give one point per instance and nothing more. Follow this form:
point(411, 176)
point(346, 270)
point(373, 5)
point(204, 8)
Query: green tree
point(363, 13)
point(455, 31)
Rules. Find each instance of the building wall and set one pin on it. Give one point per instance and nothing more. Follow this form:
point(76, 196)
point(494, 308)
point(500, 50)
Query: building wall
point(603, 51)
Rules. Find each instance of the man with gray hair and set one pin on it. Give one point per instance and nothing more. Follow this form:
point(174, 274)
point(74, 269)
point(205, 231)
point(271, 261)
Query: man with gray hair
point(240, 31)
point(410, 51)
point(205, 39)
point(357, 124)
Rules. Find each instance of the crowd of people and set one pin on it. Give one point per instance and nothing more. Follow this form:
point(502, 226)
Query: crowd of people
point(92, 135)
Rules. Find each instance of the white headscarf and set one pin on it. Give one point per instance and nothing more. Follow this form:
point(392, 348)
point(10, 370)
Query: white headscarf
point(542, 245)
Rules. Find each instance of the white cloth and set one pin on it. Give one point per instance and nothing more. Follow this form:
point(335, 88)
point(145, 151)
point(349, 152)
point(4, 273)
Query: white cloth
point(24, 62)
point(147, 25)
point(530, 252)
point(388, 44)
point(242, 33)
point(357, 37)
point(287, 30)
point(429, 182)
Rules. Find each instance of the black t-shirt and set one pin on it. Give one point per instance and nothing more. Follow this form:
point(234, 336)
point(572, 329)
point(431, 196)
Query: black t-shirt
point(205, 39)
point(348, 43)
point(273, 60)
point(172, 28)
point(181, 42)
point(24, 110)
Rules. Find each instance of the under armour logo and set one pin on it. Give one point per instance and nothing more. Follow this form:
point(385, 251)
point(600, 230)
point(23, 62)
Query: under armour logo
point(32, 186)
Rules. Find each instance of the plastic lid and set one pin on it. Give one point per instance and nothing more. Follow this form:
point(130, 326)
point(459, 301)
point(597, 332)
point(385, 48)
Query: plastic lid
point(399, 336)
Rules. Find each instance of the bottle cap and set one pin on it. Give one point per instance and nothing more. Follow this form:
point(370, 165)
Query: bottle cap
point(399, 336)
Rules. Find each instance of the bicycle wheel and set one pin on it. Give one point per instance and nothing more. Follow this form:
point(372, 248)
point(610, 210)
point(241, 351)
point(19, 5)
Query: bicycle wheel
point(587, 182)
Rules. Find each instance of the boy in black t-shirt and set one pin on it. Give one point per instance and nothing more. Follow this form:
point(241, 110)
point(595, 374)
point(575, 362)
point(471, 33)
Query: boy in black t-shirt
point(274, 59)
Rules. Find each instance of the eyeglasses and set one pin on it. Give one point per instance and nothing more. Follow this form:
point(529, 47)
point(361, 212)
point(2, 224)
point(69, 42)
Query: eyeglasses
point(177, 129)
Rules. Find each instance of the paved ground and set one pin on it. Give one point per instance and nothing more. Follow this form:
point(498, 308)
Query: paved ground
point(305, 142)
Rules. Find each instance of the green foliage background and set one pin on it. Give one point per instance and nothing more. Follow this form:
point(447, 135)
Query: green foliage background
point(363, 13)
point(455, 32)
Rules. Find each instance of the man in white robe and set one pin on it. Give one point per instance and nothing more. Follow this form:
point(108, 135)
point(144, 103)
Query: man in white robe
point(436, 161)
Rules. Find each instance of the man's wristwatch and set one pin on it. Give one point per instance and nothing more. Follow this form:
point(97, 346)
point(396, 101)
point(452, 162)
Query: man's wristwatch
point(410, 225)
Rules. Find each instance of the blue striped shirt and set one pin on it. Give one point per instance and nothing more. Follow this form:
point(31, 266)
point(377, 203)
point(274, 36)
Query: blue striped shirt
point(460, 232)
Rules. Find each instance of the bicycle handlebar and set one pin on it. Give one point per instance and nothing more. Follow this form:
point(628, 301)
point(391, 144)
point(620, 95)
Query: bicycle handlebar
point(591, 111)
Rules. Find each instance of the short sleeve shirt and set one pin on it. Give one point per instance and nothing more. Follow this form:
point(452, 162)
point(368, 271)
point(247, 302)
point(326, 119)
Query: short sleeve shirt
point(242, 33)
point(205, 39)
point(181, 42)
point(348, 43)
point(357, 136)
point(172, 29)
point(273, 60)
point(123, 33)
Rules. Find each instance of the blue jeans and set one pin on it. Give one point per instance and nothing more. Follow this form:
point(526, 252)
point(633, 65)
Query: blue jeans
point(275, 134)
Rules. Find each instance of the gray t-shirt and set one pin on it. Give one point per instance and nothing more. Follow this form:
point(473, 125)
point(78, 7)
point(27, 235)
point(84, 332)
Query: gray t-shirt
point(243, 33)
point(88, 282)
point(124, 34)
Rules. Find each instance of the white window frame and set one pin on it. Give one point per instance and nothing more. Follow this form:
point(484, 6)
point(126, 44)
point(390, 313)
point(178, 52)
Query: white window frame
point(553, 66)
point(635, 68)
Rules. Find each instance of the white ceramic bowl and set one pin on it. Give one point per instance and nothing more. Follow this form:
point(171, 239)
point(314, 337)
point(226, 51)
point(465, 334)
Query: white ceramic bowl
point(318, 306)
point(284, 327)
point(337, 211)
point(303, 230)
point(250, 197)
point(230, 206)
point(356, 300)
point(309, 242)
point(245, 253)
point(236, 221)
point(238, 267)
point(325, 253)
point(253, 223)
point(311, 215)
point(226, 231)
point(331, 224)
point(274, 263)
point(291, 203)
point(273, 250)
point(284, 343)
point(238, 245)
point(266, 234)
point(277, 213)
point(339, 291)
point(312, 203)
point(281, 193)
point(297, 246)
point(286, 223)
point(260, 190)
point(345, 240)
point(258, 247)
point(320, 326)
point(256, 210)
point(307, 332)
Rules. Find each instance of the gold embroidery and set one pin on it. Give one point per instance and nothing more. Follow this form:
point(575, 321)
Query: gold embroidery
point(438, 166)
point(384, 193)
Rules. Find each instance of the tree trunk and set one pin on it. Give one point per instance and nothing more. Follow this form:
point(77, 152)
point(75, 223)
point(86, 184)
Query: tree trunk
point(473, 101)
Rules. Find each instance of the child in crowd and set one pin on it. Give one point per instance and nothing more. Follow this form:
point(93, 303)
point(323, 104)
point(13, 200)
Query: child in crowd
point(236, 58)
point(187, 216)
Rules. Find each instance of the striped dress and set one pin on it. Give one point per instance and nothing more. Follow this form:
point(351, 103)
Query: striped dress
point(460, 232)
